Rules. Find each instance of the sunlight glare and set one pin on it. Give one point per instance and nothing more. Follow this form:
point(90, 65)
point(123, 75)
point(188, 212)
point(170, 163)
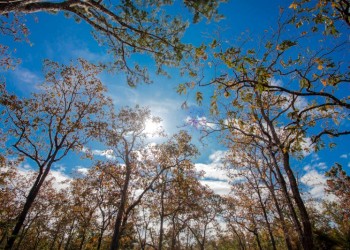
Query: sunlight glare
point(152, 128)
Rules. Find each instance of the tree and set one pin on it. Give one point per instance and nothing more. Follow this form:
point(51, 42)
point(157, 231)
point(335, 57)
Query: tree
point(66, 113)
point(140, 165)
point(126, 28)
point(337, 211)
point(253, 172)
point(284, 93)
point(202, 222)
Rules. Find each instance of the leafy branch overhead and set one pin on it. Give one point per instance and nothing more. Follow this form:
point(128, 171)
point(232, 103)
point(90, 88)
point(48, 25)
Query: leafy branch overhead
point(127, 28)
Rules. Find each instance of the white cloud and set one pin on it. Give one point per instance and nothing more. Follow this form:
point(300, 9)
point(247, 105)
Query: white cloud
point(217, 156)
point(275, 82)
point(307, 167)
point(316, 182)
point(315, 157)
point(212, 171)
point(199, 122)
point(26, 76)
point(108, 153)
point(306, 146)
point(215, 176)
point(82, 170)
point(315, 166)
point(61, 179)
point(219, 187)
point(344, 156)
point(321, 165)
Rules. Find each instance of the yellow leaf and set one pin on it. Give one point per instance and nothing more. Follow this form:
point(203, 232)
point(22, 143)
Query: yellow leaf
point(320, 67)
point(324, 82)
point(293, 6)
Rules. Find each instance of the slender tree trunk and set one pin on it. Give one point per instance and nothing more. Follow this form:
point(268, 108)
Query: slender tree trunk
point(307, 228)
point(255, 232)
point(99, 242)
point(161, 230)
point(37, 240)
point(282, 220)
point(70, 235)
point(173, 236)
point(28, 204)
point(52, 246)
point(277, 206)
point(239, 238)
point(273, 242)
point(81, 245)
point(306, 236)
point(290, 205)
point(275, 200)
point(118, 222)
point(60, 243)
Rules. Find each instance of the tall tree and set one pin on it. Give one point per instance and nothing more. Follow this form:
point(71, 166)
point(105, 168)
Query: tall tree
point(280, 93)
point(141, 165)
point(66, 113)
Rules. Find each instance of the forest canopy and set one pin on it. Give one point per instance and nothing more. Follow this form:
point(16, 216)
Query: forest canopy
point(239, 143)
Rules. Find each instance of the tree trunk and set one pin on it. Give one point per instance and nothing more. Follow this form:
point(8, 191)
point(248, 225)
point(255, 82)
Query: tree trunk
point(255, 232)
point(28, 204)
point(118, 222)
point(161, 230)
point(273, 242)
point(290, 205)
point(70, 235)
point(277, 206)
point(307, 228)
point(99, 242)
point(282, 219)
point(82, 242)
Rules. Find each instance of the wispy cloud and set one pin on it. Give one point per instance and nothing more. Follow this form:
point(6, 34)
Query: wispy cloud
point(316, 183)
point(82, 170)
point(107, 153)
point(25, 79)
point(219, 187)
point(344, 156)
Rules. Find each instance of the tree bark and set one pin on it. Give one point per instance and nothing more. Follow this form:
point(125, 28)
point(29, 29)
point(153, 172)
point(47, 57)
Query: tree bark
point(307, 228)
point(124, 195)
point(28, 204)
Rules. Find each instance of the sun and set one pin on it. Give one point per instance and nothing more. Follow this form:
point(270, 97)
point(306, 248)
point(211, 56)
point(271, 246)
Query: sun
point(152, 128)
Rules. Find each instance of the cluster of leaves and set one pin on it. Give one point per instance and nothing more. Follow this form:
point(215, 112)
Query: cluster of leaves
point(321, 14)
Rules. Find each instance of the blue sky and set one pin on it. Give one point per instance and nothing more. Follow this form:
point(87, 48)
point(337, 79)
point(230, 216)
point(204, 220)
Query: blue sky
point(57, 38)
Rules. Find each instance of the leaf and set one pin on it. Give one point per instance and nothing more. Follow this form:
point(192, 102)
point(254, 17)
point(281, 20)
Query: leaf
point(293, 6)
point(286, 44)
point(324, 82)
point(192, 74)
point(213, 44)
point(181, 89)
point(199, 98)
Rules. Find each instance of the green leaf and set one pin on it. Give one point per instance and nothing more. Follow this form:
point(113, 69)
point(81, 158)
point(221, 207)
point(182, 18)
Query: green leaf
point(181, 89)
point(286, 44)
point(199, 98)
